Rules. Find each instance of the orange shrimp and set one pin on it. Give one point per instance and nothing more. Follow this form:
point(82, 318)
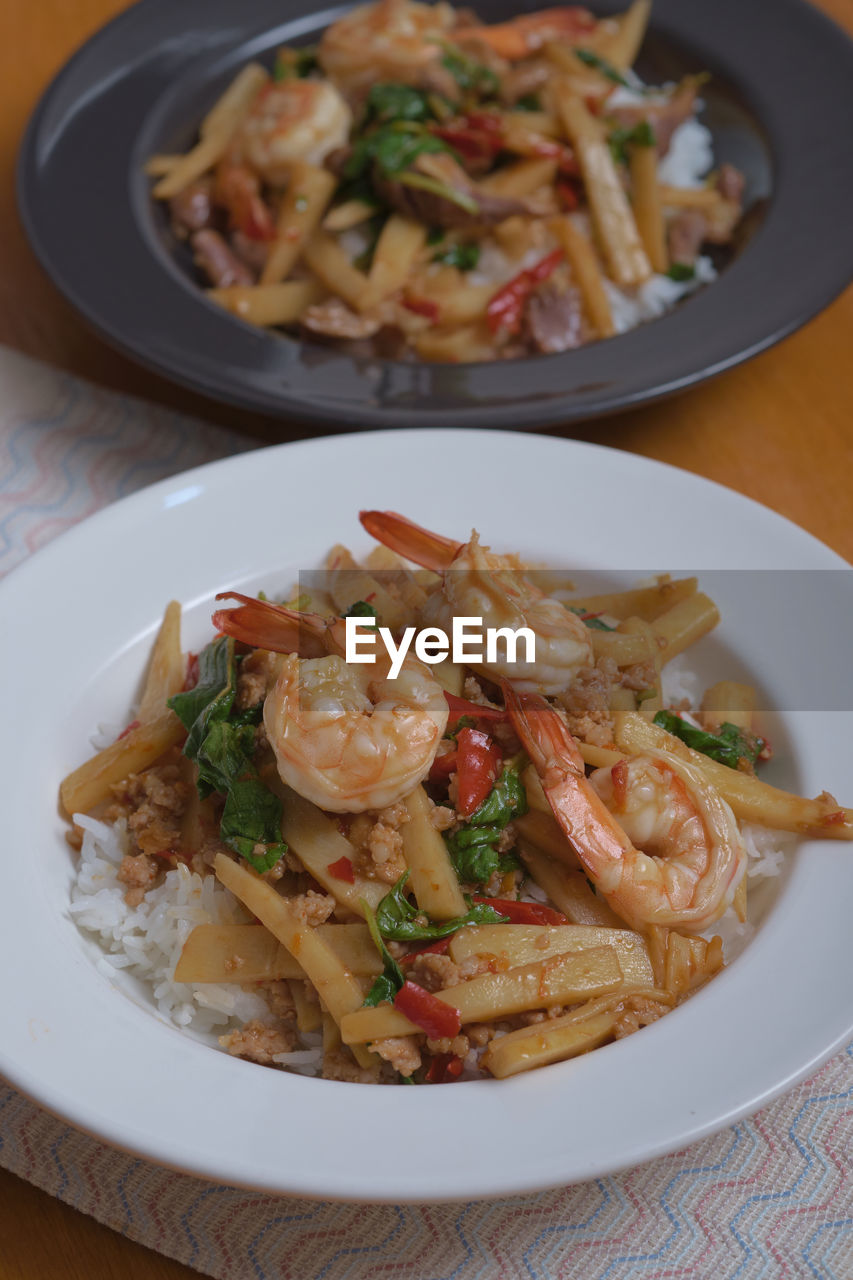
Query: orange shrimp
point(522, 36)
point(477, 583)
point(346, 737)
point(699, 860)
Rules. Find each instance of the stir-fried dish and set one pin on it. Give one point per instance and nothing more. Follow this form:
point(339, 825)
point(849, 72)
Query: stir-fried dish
point(422, 184)
point(426, 869)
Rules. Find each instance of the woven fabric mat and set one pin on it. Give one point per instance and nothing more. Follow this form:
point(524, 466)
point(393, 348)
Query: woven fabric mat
point(772, 1196)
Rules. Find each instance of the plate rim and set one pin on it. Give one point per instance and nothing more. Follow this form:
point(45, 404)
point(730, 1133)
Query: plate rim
point(133, 509)
point(473, 408)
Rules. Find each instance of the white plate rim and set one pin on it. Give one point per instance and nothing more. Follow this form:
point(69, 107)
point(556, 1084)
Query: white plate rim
point(181, 1136)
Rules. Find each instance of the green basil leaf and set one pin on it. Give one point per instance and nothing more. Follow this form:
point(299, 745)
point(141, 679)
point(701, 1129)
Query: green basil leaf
point(463, 256)
point(387, 102)
point(214, 676)
point(728, 747)
point(471, 76)
point(681, 272)
point(391, 979)
point(398, 918)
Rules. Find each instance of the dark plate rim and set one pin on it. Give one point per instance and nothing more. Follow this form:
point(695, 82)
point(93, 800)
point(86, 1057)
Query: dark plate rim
point(801, 211)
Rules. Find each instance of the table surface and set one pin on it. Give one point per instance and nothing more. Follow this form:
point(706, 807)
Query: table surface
point(777, 429)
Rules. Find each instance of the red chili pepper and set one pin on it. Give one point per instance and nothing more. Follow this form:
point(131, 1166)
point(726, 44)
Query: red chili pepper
point(523, 912)
point(443, 766)
point(506, 308)
point(462, 707)
point(477, 136)
point(191, 678)
point(134, 724)
point(437, 1019)
point(569, 195)
point(444, 1068)
point(342, 870)
point(477, 767)
point(439, 948)
point(422, 307)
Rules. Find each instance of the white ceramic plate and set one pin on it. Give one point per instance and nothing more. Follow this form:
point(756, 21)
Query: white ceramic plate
point(78, 620)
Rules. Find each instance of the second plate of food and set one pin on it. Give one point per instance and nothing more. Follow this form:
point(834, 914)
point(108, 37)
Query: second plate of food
point(390, 214)
point(96, 1015)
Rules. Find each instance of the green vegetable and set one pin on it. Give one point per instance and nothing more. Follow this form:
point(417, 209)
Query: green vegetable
point(391, 979)
point(530, 102)
point(471, 76)
point(387, 102)
point(421, 182)
point(471, 848)
point(594, 624)
point(606, 68)
point(639, 135)
point(463, 256)
point(398, 918)
point(391, 148)
point(435, 236)
point(221, 742)
point(729, 746)
point(681, 272)
point(361, 609)
point(293, 64)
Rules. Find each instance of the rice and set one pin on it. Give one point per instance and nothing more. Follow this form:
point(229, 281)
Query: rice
point(146, 941)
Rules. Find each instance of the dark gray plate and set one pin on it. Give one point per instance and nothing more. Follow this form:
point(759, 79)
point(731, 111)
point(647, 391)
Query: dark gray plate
point(779, 105)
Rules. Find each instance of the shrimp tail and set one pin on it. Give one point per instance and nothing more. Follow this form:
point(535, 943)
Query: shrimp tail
point(522, 36)
point(543, 734)
point(264, 625)
point(410, 540)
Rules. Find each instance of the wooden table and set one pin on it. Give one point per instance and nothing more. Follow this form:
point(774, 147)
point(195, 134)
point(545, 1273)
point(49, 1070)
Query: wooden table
point(777, 429)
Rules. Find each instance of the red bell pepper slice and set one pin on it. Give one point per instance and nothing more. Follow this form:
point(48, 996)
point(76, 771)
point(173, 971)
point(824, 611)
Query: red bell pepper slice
point(342, 870)
point(443, 766)
point(422, 307)
point(478, 764)
point(569, 195)
point(444, 1068)
point(437, 1019)
point(506, 308)
point(477, 136)
point(523, 912)
point(439, 948)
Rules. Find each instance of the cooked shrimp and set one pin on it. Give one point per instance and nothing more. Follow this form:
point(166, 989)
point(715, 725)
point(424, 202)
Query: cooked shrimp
point(396, 40)
point(294, 120)
point(693, 857)
point(522, 36)
point(345, 736)
point(479, 584)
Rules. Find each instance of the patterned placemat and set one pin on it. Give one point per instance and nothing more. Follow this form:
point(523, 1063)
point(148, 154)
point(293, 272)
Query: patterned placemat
point(770, 1197)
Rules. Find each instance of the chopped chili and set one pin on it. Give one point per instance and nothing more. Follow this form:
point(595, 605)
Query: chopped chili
point(434, 1016)
point(342, 870)
point(506, 309)
point(444, 1068)
point(524, 912)
point(478, 764)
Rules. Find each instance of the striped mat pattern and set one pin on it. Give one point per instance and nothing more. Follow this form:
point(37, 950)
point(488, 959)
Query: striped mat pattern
point(771, 1197)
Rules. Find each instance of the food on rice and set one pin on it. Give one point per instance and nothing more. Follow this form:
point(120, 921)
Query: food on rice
point(423, 185)
point(473, 867)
